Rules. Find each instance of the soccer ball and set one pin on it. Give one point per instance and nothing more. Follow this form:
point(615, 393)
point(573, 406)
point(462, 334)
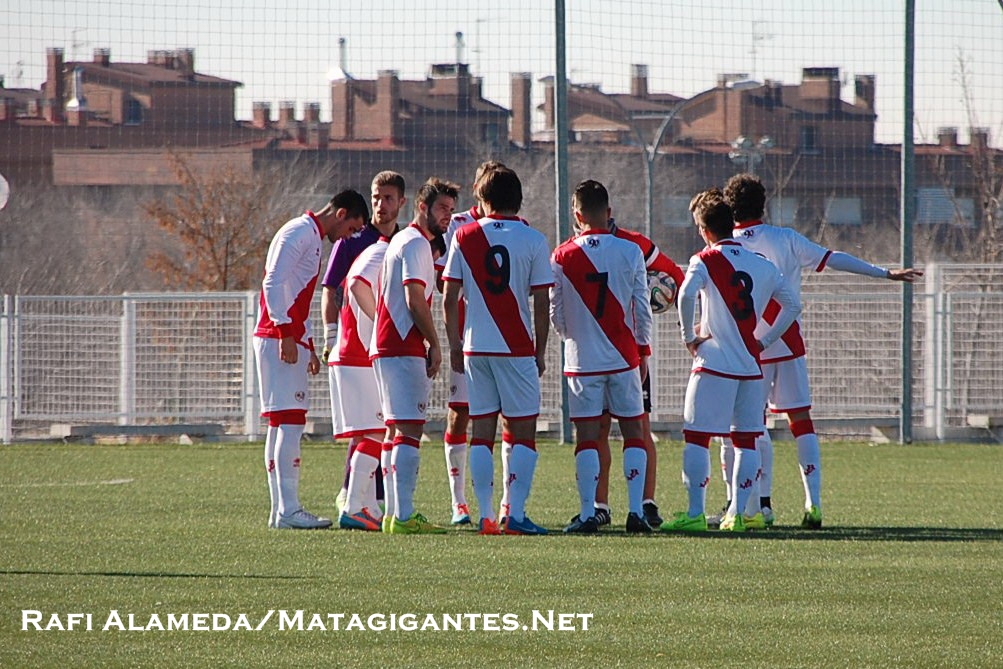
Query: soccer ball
point(662, 292)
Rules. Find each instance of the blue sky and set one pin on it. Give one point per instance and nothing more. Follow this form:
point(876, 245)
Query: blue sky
point(285, 50)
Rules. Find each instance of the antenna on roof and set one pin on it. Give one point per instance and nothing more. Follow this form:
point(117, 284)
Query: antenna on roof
point(758, 35)
point(75, 43)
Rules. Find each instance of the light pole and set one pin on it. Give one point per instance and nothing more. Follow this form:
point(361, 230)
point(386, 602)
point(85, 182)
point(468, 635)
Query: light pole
point(750, 153)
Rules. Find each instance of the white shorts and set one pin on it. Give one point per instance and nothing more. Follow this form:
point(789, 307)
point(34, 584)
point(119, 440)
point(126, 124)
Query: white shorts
point(786, 385)
point(358, 405)
point(620, 393)
point(282, 387)
point(709, 402)
point(503, 383)
point(337, 419)
point(404, 388)
point(458, 396)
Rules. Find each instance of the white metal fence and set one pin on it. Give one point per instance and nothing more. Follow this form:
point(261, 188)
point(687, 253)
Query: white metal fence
point(152, 359)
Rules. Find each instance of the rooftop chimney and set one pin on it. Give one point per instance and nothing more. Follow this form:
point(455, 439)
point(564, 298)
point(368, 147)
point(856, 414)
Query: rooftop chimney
point(102, 57)
point(947, 136)
point(459, 46)
point(522, 86)
point(184, 62)
point(639, 81)
point(343, 55)
point(863, 91)
point(978, 137)
point(311, 112)
point(287, 113)
point(55, 85)
point(261, 114)
point(820, 83)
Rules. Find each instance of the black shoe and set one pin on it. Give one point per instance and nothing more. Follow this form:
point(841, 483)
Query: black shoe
point(603, 516)
point(651, 514)
point(637, 525)
point(579, 526)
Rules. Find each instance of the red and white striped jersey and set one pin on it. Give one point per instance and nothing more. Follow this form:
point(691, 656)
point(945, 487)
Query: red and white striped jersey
point(654, 259)
point(291, 269)
point(734, 285)
point(408, 259)
point(499, 262)
point(456, 222)
point(355, 328)
point(791, 252)
point(599, 303)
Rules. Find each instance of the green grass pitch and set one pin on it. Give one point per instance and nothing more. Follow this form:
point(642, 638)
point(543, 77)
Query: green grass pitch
point(908, 571)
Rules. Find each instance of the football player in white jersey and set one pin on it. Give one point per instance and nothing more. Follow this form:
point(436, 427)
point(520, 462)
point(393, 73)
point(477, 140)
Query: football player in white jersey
point(458, 413)
point(499, 263)
point(291, 270)
point(784, 366)
point(600, 307)
point(406, 347)
point(357, 412)
point(724, 393)
point(387, 197)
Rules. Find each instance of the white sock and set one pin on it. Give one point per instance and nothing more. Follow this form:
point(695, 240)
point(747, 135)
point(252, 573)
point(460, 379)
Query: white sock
point(521, 467)
point(405, 459)
point(361, 482)
point(506, 455)
point(635, 462)
point(746, 468)
point(587, 477)
point(273, 475)
point(764, 444)
point(727, 466)
point(810, 459)
point(389, 499)
point(482, 476)
point(287, 465)
point(456, 469)
point(696, 474)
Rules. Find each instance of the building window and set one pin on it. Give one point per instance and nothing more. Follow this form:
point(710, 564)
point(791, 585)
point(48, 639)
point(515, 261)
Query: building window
point(782, 210)
point(843, 211)
point(676, 211)
point(941, 206)
point(809, 139)
point(133, 112)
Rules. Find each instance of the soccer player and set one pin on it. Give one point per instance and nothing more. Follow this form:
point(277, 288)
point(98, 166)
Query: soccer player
point(499, 263)
point(403, 328)
point(387, 195)
point(724, 393)
point(357, 413)
point(599, 305)
point(655, 261)
point(784, 367)
point(458, 413)
point(291, 270)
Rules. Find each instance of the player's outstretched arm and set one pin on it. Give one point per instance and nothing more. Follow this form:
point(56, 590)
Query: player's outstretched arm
point(907, 274)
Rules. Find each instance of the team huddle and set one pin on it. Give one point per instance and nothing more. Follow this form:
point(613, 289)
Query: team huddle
point(502, 292)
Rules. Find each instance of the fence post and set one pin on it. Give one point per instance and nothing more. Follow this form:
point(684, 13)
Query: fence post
point(251, 408)
point(127, 363)
point(6, 394)
point(934, 352)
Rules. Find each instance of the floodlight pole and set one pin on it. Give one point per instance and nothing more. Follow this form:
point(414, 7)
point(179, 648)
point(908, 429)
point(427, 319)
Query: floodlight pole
point(561, 197)
point(907, 210)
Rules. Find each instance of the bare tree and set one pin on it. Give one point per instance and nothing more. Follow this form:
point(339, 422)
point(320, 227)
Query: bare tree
point(217, 224)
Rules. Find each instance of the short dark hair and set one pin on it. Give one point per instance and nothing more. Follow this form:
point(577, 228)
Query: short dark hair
point(484, 168)
point(433, 188)
point(390, 178)
point(745, 194)
point(353, 202)
point(592, 199)
point(501, 189)
point(711, 212)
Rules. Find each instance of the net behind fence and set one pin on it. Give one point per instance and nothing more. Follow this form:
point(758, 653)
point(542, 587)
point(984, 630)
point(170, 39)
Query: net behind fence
point(152, 147)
